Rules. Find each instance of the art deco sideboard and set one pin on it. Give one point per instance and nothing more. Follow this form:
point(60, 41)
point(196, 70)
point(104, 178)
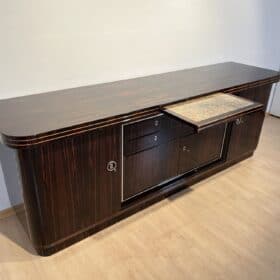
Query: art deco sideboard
point(93, 155)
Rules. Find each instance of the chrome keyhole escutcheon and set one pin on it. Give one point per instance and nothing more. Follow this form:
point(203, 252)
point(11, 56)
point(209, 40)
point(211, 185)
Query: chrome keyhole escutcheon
point(112, 166)
point(155, 138)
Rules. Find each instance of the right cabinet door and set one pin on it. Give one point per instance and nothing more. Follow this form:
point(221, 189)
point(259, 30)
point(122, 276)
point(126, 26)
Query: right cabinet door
point(201, 148)
point(245, 134)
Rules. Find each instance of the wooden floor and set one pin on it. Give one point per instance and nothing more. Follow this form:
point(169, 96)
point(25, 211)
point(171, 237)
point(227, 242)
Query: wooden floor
point(225, 227)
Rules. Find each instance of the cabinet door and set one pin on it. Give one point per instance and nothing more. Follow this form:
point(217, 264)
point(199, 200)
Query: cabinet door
point(73, 183)
point(149, 168)
point(199, 149)
point(169, 159)
point(141, 171)
point(245, 134)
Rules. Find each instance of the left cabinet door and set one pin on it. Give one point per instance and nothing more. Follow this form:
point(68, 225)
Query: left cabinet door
point(141, 172)
point(71, 184)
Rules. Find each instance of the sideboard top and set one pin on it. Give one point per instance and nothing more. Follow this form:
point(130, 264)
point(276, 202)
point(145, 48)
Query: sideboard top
point(37, 115)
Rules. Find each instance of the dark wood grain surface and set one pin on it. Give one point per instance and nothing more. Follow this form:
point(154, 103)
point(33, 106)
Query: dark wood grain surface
point(36, 115)
point(67, 187)
point(245, 134)
point(199, 149)
point(259, 94)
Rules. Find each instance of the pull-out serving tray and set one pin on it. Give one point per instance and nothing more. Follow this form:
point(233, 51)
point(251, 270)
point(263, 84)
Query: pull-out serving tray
point(212, 109)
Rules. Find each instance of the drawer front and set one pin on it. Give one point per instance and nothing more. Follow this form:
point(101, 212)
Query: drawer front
point(141, 144)
point(142, 128)
point(168, 126)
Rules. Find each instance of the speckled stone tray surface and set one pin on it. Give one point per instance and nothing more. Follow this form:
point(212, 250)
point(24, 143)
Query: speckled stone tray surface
point(208, 107)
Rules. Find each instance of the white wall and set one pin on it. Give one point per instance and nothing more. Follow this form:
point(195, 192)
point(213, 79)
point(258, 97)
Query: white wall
point(48, 45)
point(275, 106)
point(4, 199)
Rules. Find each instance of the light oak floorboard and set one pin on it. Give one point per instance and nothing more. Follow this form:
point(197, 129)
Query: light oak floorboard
point(225, 227)
point(11, 211)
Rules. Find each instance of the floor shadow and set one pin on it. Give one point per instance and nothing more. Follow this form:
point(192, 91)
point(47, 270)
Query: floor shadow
point(180, 193)
point(15, 240)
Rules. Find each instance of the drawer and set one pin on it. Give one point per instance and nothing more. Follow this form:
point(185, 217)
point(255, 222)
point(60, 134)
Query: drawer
point(206, 111)
point(142, 128)
point(141, 144)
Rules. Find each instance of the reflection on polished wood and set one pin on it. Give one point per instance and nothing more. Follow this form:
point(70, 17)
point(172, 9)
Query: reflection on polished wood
point(42, 117)
point(225, 227)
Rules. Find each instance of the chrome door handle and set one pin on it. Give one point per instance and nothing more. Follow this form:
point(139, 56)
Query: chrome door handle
point(156, 122)
point(185, 149)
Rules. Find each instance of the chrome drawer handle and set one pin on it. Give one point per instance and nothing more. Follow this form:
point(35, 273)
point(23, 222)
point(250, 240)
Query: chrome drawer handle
point(155, 138)
point(238, 121)
point(156, 122)
point(112, 166)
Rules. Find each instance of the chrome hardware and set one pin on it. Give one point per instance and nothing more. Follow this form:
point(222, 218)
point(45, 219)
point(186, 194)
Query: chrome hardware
point(112, 166)
point(156, 122)
point(155, 138)
point(238, 121)
point(185, 149)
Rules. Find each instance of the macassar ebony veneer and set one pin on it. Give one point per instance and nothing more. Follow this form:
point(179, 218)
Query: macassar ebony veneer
point(91, 156)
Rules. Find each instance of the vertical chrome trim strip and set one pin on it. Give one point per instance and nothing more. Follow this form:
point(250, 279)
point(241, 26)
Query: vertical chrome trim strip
point(122, 162)
point(222, 148)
